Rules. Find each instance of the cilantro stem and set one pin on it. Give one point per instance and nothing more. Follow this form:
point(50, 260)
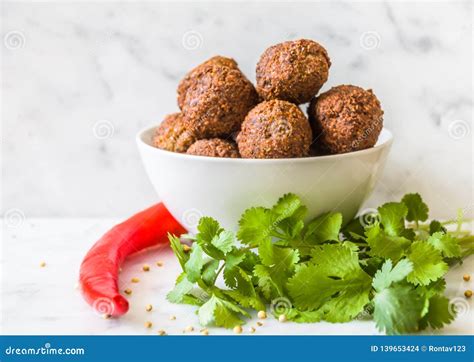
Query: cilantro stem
point(218, 272)
point(462, 221)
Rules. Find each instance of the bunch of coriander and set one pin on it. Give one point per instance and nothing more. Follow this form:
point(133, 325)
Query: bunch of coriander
point(388, 265)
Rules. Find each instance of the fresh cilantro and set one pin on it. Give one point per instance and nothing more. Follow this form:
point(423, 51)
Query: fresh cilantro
point(445, 243)
point(195, 263)
point(388, 275)
point(398, 309)
point(183, 286)
point(299, 316)
point(335, 279)
point(439, 313)
point(178, 250)
point(384, 245)
point(417, 209)
point(224, 241)
point(255, 225)
point(436, 226)
point(390, 270)
point(428, 265)
point(324, 228)
point(392, 217)
point(221, 312)
point(209, 272)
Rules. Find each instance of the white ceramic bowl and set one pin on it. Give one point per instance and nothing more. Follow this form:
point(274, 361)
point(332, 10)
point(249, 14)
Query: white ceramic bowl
point(195, 186)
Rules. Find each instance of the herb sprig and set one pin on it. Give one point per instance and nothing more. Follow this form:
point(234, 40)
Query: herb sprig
point(388, 265)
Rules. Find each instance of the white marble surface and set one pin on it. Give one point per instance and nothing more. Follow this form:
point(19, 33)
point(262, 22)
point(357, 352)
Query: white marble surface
point(84, 77)
point(44, 300)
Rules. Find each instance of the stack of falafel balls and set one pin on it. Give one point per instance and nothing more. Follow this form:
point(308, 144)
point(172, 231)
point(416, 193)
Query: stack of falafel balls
point(224, 115)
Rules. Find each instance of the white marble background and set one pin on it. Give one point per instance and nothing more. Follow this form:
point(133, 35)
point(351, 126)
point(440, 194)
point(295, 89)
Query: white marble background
point(80, 79)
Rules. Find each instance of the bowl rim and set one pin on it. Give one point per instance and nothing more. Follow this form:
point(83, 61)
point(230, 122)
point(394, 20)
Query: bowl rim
point(387, 141)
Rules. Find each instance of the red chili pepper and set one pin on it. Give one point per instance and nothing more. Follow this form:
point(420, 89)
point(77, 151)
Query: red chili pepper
point(98, 276)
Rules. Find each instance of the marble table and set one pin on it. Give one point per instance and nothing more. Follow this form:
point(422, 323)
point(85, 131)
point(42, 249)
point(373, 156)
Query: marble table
point(46, 301)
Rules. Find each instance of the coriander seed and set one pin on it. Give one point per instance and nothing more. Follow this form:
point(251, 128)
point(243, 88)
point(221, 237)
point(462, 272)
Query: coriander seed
point(237, 329)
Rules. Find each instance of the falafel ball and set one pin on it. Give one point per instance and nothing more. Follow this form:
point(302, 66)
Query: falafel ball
point(275, 129)
point(172, 134)
point(346, 118)
point(192, 76)
point(214, 147)
point(217, 100)
point(293, 71)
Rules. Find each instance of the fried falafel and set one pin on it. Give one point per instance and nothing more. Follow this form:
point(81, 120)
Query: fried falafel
point(172, 134)
point(293, 71)
point(192, 76)
point(214, 147)
point(275, 129)
point(216, 100)
point(344, 119)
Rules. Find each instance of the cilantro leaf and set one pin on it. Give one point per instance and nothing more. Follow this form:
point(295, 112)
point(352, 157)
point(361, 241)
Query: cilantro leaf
point(209, 271)
point(220, 312)
point(250, 260)
point(256, 224)
point(428, 265)
point(224, 241)
point(417, 209)
point(437, 287)
point(178, 250)
point(384, 245)
point(183, 286)
point(324, 228)
point(436, 226)
point(335, 260)
point(398, 309)
point(195, 263)
point(287, 206)
point(278, 265)
point(387, 275)
point(208, 228)
point(234, 258)
point(439, 313)
point(209, 233)
point(309, 288)
point(246, 301)
point(267, 285)
point(283, 258)
point(392, 217)
point(445, 243)
point(237, 278)
point(299, 316)
point(335, 279)
point(354, 230)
